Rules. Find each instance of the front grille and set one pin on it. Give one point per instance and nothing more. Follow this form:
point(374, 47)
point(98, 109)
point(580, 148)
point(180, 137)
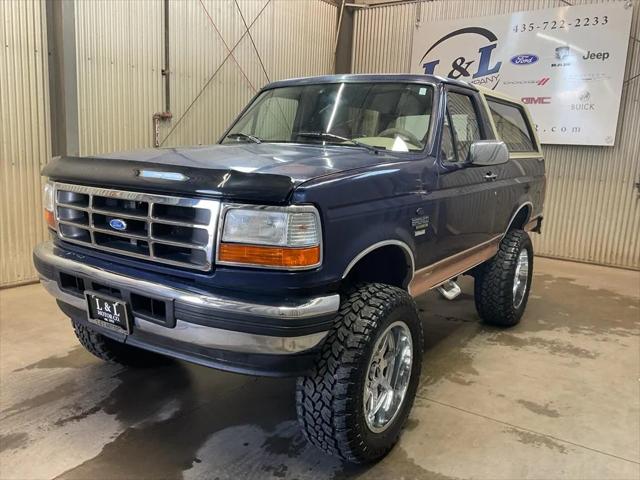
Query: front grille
point(173, 230)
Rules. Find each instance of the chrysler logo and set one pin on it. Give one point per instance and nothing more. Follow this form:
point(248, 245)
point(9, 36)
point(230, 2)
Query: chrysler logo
point(118, 224)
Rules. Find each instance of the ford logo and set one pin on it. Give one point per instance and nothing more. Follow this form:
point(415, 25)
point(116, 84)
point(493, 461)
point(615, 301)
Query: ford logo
point(118, 224)
point(524, 59)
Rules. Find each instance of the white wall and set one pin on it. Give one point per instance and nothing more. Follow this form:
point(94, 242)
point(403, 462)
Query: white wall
point(592, 208)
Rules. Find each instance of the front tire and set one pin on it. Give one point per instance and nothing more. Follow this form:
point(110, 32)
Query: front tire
point(370, 360)
point(502, 284)
point(112, 351)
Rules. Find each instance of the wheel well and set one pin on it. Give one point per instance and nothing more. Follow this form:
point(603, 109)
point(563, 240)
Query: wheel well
point(388, 264)
point(521, 218)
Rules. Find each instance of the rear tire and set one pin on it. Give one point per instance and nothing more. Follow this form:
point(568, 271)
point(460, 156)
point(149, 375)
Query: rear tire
point(335, 400)
point(112, 351)
point(502, 284)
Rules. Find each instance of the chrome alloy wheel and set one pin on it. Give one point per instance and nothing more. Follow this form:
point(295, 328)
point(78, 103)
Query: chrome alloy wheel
point(388, 376)
point(520, 278)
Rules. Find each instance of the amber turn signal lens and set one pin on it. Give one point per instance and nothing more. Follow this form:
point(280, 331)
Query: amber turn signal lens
point(269, 256)
point(50, 218)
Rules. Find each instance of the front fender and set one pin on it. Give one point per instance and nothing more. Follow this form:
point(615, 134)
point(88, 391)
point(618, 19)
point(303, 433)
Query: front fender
point(364, 209)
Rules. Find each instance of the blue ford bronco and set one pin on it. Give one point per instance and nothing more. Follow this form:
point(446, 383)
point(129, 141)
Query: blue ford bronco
point(295, 246)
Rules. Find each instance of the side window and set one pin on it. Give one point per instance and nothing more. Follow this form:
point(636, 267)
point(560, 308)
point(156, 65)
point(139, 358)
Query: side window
point(511, 126)
point(446, 146)
point(466, 128)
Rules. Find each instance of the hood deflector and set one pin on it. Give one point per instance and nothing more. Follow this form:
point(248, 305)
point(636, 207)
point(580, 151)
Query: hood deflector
point(182, 180)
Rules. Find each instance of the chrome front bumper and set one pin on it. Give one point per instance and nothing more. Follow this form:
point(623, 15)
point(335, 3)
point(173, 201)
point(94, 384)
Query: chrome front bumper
point(191, 333)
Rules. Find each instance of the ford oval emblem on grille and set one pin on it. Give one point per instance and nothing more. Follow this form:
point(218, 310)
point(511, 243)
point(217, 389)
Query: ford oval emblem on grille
point(118, 224)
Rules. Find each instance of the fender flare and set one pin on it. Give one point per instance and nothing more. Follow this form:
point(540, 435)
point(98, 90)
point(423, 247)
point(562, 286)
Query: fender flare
point(398, 243)
point(515, 214)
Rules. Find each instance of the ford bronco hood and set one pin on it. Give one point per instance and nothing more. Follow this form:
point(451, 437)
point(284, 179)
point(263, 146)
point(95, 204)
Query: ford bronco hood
point(263, 172)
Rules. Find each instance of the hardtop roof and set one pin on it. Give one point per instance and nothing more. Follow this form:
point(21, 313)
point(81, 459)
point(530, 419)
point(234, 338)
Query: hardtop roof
point(386, 78)
point(369, 78)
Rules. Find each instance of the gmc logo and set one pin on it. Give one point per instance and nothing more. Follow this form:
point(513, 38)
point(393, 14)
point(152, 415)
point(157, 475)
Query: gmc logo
point(536, 100)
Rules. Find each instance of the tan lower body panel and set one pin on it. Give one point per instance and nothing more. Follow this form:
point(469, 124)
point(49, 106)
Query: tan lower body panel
point(434, 275)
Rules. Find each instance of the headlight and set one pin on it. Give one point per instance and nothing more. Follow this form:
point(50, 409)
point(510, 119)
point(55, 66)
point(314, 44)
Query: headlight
point(48, 204)
point(272, 237)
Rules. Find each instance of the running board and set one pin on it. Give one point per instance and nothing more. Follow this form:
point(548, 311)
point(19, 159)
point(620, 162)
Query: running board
point(449, 290)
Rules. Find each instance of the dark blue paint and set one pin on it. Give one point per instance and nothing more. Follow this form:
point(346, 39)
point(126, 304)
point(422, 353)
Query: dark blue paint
point(363, 198)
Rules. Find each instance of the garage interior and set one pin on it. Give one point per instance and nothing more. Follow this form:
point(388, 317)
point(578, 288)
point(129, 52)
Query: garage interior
point(555, 397)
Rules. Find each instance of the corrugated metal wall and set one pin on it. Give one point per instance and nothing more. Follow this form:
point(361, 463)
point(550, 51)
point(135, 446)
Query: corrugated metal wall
point(120, 56)
point(201, 66)
point(592, 209)
point(24, 135)
point(119, 60)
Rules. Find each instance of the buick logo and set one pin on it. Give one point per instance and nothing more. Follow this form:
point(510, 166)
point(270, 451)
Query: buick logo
point(524, 59)
point(585, 103)
point(118, 224)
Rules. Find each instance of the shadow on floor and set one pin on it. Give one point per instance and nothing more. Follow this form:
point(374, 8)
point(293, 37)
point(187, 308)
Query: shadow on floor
point(207, 424)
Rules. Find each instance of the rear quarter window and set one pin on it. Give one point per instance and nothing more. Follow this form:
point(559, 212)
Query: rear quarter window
point(512, 126)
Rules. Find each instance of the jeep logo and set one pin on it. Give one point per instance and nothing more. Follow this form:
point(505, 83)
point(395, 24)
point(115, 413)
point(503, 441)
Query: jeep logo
point(536, 100)
point(602, 56)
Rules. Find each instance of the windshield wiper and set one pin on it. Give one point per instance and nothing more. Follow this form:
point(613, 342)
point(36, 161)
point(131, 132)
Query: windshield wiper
point(253, 138)
point(338, 137)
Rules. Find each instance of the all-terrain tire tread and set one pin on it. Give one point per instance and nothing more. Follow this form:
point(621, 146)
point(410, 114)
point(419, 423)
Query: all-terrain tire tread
point(112, 351)
point(322, 396)
point(494, 280)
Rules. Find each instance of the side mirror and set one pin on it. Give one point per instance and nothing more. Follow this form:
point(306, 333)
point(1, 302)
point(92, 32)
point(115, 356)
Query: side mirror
point(488, 152)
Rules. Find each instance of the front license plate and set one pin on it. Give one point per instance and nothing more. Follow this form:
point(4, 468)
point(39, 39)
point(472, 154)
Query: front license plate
point(107, 312)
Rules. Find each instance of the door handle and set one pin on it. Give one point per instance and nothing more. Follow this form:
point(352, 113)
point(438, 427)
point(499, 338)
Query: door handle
point(490, 176)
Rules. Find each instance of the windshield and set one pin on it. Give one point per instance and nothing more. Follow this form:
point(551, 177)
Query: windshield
point(391, 116)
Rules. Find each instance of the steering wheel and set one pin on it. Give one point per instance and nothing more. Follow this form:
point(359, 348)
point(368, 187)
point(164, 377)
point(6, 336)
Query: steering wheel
point(406, 135)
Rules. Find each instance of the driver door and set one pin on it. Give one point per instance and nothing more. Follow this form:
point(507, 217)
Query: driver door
point(468, 198)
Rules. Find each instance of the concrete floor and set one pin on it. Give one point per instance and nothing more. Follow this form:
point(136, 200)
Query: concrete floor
point(556, 397)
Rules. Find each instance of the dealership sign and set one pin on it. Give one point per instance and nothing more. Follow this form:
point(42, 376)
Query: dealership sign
point(567, 64)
